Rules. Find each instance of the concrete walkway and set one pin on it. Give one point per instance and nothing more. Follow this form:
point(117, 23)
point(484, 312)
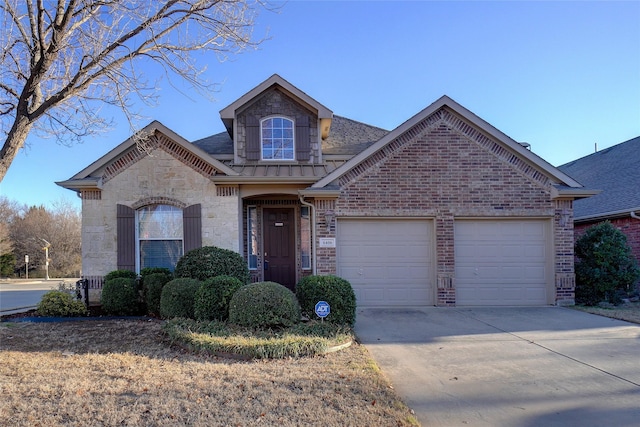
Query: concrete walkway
point(540, 366)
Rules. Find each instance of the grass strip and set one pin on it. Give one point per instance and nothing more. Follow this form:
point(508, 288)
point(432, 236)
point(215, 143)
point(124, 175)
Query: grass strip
point(302, 340)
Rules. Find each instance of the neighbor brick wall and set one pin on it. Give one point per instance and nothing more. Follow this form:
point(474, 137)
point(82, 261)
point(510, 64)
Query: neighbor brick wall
point(444, 169)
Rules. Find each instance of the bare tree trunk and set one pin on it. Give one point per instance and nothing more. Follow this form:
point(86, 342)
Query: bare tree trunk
point(14, 142)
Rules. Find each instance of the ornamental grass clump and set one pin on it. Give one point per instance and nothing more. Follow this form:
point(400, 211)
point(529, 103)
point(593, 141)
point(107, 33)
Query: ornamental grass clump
point(334, 290)
point(264, 305)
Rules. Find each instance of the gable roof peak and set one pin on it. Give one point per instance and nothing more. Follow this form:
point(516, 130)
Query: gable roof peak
point(228, 113)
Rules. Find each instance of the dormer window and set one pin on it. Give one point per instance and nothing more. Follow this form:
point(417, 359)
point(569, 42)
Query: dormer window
point(276, 135)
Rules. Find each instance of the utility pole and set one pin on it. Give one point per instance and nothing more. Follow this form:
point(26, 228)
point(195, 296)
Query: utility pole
point(46, 258)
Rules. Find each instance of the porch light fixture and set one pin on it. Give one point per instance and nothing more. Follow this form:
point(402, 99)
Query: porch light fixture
point(329, 217)
point(565, 215)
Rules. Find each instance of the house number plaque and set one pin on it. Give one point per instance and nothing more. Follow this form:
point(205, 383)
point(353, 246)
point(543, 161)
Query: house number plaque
point(327, 242)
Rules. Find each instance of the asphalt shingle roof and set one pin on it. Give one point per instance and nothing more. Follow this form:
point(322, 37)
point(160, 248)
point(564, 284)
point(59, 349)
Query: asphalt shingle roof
point(346, 137)
point(615, 171)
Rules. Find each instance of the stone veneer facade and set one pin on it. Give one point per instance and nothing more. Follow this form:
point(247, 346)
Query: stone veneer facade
point(155, 178)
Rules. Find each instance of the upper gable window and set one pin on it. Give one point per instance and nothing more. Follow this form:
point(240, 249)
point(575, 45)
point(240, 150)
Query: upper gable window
point(277, 139)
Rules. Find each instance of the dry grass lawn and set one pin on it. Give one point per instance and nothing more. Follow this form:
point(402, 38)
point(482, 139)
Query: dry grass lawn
point(107, 373)
point(629, 311)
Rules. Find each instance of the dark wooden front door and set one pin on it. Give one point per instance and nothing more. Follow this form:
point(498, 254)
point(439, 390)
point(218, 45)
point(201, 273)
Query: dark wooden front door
point(279, 247)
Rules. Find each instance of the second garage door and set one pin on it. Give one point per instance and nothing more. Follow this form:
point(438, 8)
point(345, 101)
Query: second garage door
point(387, 261)
point(502, 262)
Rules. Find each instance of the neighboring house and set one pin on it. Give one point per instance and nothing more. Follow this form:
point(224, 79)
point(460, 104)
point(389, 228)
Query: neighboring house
point(615, 171)
point(443, 210)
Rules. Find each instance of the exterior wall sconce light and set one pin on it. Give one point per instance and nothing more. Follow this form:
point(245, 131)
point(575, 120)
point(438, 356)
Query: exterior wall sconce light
point(565, 216)
point(329, 218)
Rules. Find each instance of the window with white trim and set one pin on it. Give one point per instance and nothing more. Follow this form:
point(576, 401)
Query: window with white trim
point(276, 136)
point(159, 236)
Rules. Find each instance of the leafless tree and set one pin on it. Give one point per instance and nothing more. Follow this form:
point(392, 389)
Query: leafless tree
point(9, 210)
point(59, 226)
point(61, 60)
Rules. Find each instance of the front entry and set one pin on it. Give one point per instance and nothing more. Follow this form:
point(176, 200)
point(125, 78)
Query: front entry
point(279, 246)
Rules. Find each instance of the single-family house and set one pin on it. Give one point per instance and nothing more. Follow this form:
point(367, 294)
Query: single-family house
point(616, 171)
point(443, 210)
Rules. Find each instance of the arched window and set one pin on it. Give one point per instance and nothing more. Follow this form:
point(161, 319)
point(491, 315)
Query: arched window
point(159, 236)
point(276, 135)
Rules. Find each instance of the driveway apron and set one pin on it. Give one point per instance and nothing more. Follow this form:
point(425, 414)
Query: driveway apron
point(507, 366)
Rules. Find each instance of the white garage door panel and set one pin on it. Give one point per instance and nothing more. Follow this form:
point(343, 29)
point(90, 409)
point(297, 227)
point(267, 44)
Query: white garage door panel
point(502, 262)
point(388, 262)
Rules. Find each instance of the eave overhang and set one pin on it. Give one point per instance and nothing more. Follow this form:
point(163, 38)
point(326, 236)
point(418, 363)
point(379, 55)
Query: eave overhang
point(606, 215)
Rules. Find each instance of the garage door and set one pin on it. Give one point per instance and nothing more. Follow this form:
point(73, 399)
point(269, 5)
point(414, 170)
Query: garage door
point(502, 262)
point(388, 262)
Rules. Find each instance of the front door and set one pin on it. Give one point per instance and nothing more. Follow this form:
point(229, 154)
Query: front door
point(279, 247)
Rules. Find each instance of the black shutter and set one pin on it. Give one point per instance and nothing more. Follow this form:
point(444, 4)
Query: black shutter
point(253, 138)
point(303, 139)
point(126, 238)
point(192, 227)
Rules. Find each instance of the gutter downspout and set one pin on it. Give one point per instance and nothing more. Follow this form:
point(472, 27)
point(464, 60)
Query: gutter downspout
point(633, 215)
point(312, 209)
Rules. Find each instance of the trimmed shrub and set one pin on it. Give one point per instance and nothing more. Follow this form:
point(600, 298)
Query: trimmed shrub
point(128, 274)
point(60, 304)
point(605, 269)
point(210, 261)
point(332, 289)
point(153, 284)
point(147, 271)
point(214, 296)
point(264, 305)
point(120, 296)
point(178, 297)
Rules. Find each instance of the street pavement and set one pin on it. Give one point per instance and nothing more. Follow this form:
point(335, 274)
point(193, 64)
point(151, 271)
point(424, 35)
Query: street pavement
point(19, 295)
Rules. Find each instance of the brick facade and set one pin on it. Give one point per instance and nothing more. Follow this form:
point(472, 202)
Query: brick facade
point(271, 103)
point(443, 170)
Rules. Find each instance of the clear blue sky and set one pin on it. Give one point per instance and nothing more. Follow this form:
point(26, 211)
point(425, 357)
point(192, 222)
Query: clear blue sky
point(561, 76)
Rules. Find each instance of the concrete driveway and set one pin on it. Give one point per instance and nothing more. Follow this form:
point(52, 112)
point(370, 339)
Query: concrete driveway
point(538, 366)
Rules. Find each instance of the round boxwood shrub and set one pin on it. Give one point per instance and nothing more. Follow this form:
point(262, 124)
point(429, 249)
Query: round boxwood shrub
point(332, 289)
point(120, 273)
point(210, 261)
point(60, 304)
point(153, 284)
point(214, 296)
point(120, 296)
point(264, 305)
point(178, 297)
point(605, 267)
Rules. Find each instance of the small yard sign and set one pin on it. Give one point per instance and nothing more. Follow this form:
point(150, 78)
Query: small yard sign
point(322, 309)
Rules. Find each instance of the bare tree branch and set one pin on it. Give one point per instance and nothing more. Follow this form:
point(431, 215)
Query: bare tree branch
point(58, 60)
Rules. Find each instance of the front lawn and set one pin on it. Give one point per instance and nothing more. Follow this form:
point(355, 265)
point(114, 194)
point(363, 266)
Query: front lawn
point(125, 372)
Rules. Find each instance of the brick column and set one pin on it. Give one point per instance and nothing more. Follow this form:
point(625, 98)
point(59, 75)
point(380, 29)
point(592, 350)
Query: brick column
point(565, 278)
point(445, 261)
